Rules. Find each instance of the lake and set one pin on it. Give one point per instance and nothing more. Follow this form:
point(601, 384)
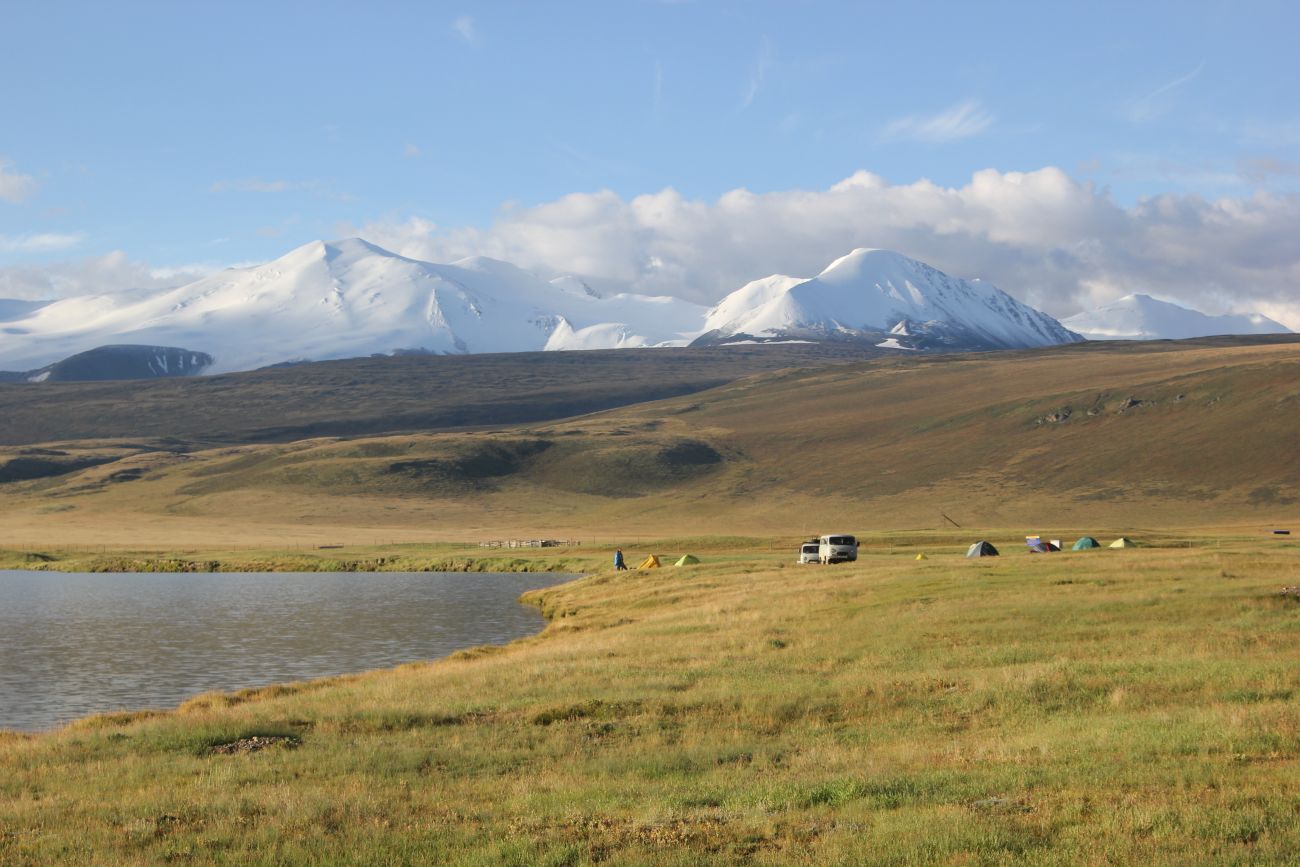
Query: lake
point(76, 644)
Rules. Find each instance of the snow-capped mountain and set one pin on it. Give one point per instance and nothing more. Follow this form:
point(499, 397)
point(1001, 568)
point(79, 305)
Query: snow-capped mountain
point(887, 299)
point(344, 299)
point(349, 298)
point(1141, 317)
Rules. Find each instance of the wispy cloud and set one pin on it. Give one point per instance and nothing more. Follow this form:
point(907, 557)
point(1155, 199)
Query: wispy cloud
point(758, 74)
point(256, 185)
point(1259, 170)
point(37, 243)
point(311, 186)
point(1177, 82)
point(14, 187)
point(962, 120)
point(464, 25)
point(1147, 107)
point(1272, 133)
point(410, 151)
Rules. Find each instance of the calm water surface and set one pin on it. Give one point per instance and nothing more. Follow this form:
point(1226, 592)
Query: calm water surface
point(76, 644)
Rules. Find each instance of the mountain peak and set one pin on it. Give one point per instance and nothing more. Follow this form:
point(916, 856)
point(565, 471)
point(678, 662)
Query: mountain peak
point(864, 257)
point(344, 251)
point(865, 294)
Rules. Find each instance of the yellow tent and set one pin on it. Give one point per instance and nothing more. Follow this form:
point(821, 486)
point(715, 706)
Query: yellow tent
point(651, 562)
point(687, 560)
point(1122, 542)
point(922, 557)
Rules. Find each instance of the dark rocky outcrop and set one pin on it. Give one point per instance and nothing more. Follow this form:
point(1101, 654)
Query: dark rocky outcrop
point(118, 362)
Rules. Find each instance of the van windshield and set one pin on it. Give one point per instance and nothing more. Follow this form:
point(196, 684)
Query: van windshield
point(840, 540)
point(810, 549)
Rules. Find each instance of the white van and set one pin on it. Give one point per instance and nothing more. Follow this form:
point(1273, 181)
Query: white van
point(837, 548)
point(809, 552)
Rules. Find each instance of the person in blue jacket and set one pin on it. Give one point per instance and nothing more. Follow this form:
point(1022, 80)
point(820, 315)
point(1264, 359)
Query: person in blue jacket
point(618, 559)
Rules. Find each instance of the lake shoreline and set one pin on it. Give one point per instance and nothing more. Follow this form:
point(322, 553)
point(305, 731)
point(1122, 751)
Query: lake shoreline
point(741, 711)
point(529, 597)
point(271, 561)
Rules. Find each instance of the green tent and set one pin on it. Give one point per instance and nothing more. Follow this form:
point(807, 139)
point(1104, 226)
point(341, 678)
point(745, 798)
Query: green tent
point(687, 560)
point(1085, 543)
point(1123, 542)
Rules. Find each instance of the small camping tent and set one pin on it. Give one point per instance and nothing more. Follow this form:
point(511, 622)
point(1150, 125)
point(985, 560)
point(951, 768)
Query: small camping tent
point(1085, 543)
point(1038, 546)
point(981, 549)
point(651, 562)
point(1123, 542)
point(687, 560)
point(922, 557)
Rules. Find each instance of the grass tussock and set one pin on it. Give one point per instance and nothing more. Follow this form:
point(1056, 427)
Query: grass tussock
point(1108, 707)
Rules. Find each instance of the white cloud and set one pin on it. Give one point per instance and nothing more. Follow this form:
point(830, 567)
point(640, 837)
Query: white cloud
point(1045, 237)
point(1050, 239)
point(37, 243)
point(464, 25)
point(962, 120)
point(14, 187)
point(410, 151)
point(113, 272)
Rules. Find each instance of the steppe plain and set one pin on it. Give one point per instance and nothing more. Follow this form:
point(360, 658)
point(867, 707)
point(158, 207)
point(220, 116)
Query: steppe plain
point(1090, 707)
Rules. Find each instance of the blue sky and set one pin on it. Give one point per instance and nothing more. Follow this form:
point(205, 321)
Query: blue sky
point(182, 134)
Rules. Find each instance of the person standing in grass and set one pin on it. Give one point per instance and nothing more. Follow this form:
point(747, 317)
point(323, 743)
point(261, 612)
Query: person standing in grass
point(618, 560)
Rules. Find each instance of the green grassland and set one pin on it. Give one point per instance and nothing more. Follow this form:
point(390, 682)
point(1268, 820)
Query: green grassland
point(1077, 708)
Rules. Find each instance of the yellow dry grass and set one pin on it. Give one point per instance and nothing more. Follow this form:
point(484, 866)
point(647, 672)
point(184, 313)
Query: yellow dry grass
point(1094, 708)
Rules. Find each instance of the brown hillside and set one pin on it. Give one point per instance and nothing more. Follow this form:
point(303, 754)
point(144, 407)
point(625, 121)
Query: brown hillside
point(1074, 438)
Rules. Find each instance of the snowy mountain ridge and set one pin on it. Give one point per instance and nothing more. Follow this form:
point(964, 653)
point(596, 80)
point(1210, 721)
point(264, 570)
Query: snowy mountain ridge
point(1141, 317)
point(345, 299)
point(349, 298)
point(885, 298)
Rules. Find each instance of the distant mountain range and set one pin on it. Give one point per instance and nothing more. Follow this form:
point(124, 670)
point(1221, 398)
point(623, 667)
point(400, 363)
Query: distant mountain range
point(350, 298)
point(1141, 317)
point(886, 299)
point(346, 299)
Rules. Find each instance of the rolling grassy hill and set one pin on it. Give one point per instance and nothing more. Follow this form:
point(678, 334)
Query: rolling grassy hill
point(383, 395)
point(1141, 435)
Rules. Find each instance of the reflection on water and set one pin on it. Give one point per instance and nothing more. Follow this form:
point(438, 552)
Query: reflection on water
point(76, 644)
